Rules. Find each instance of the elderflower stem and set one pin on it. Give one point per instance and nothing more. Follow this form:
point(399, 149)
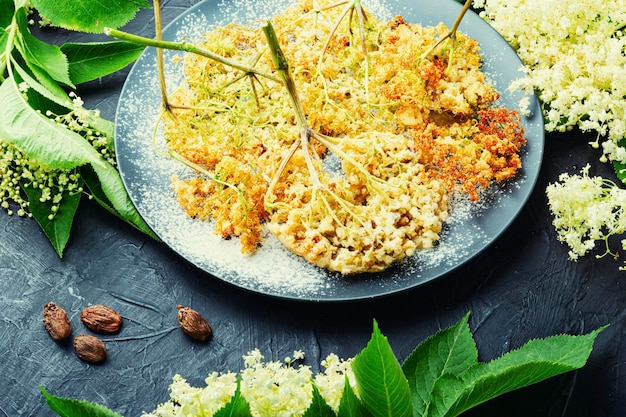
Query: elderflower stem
point(186, 47)
point(282, 67)
point(178, 157)
point(452, 32)
point(159, 53)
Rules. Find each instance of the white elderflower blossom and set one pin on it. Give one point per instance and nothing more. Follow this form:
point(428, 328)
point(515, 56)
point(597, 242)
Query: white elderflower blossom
point(19, 171)
point(331, 383)
point(573, 51)
point(587, 210)
point(272, 388)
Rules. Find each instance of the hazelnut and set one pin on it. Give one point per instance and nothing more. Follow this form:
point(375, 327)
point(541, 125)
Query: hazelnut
point(56, 322)
point(89, 348)
point(193, 323)
point(101, 319)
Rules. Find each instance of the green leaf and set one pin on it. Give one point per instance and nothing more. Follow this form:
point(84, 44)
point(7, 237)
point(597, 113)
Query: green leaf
point(7, 9)
point(90, 61)
point(350, 405)
point(66, 407)
point(48, 89)
point(108, 190)
point(4, 39)
point(58, 229)
point(318, 407)
point(534, 362)
point(620, 169)
point(89, 15)
point(39, 137)
point(237, 407)
point(381, 383)
point(449, 351)
point(41, 57)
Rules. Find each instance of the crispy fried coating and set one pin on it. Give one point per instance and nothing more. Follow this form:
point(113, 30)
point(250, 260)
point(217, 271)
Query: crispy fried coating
point(396, 132)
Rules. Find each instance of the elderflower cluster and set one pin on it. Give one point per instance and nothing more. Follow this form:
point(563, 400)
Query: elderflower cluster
point(573, 51)
point(18, 171)
point(587, 210)
point(273, 389)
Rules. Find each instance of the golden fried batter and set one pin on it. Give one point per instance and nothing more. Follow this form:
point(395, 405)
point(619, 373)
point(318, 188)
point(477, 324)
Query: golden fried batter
point(389, 134)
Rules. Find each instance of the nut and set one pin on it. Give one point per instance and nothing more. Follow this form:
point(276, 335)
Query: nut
point(101, 319)
point(193, 323)
point(89, 348)
point(56, 321)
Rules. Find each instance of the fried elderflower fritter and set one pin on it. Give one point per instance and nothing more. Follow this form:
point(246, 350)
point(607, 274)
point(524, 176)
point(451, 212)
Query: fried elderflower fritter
point(389, 132)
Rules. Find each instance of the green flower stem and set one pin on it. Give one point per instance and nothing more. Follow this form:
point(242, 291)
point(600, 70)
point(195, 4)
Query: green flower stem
point(282, 67)
point(6, 54)
point(452, 33)
point(159, 52)
point(187, 47)
point(178, 157)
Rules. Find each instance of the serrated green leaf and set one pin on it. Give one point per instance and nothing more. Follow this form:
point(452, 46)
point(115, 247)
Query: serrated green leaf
point(318, 407)
point(90, 61)
point(449, 351)
point(89, 15)
point(382, 385)
point(41, 57)
point(107, 188)
point(350, 405)
point(66, 407)
point(39, 137)
point(58, 229)
point(534, 362)
point(48, 89)
point(237, 407)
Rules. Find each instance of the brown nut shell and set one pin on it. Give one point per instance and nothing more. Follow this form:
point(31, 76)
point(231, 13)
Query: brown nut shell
point(101, 319)
point(89, 348)
point(193, 324)
point(56, 322)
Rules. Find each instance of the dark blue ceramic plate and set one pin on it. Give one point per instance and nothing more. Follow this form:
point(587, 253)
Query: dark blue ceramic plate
point(273, 270)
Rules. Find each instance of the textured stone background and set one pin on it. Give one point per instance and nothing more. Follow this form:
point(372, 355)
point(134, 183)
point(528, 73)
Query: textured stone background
point(521, 287)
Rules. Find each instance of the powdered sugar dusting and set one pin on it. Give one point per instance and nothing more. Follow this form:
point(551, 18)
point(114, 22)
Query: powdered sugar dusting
point(273, 269)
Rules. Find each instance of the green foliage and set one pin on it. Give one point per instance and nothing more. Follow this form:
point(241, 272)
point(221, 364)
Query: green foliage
point(461, 382)
point(350, 405)
point(620, 168)
point(57, 228)
point(536, 361)
point(237, 407)
point(44, 59)
point(443, 376)
point(381, 383)
point(45, 124)
point(7, 9)
point(450, 351)
point(108, 190)
point(89, 15)
point(90, 61)
point(66, 407)
point(38, 136)
point(318, 407)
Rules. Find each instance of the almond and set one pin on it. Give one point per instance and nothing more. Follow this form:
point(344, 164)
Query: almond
point(193, 323)
point(56, 322)
point(101, 319)
point(89, 348)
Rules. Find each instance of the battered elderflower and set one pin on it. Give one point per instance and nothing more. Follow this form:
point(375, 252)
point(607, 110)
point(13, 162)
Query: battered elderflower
point(270, 388)
point(587, 209)
point(573, 51)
